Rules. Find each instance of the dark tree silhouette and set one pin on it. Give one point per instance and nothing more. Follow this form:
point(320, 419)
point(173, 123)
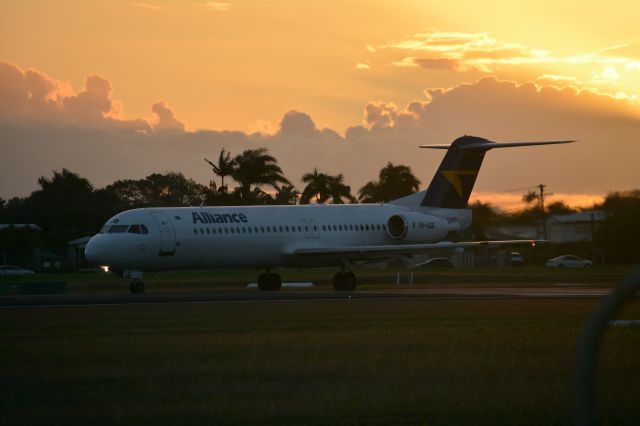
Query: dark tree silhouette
point(483, 215)
point(559, 207)
point(324, 187)
point(339, 191)
point(394, 182)
point(66, 207)
point(285, 194)
point(159, 190)
point(619, 234)
point(317, 187)
point(224, 167)
point(254, 168)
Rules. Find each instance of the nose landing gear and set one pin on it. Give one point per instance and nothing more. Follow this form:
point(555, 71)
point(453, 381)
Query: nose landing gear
point(269, 281)
point(136, 287)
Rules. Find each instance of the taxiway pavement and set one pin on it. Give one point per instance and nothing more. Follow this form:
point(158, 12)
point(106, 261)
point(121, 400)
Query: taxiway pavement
point(254, 296)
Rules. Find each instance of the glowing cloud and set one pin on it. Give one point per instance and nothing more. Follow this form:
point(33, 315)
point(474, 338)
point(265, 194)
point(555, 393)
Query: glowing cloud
point(32, 97)
point(166, 119)
point(147, 6)
point(216, 6)
point(460, 51)
point(612, 69)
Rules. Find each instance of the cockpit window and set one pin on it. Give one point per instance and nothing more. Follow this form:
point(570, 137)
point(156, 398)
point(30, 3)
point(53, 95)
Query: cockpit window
point(138, 229)
point(134, 229)
point(116, 229)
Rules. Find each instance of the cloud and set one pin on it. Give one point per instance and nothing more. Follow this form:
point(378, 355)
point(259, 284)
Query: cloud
point(612, 68)
point(380, 114)
point(556, 78)
point(166, 119)
point(297, 123)
point(92, 104)
point(46, 125)
point(31, 97)
point(216, 6)
point(147, 6)
point(607, 129)
point(443, 64)
point(625, 50)
point(456, 51)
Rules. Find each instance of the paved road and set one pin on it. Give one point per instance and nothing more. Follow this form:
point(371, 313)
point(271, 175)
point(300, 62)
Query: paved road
point(251, 296)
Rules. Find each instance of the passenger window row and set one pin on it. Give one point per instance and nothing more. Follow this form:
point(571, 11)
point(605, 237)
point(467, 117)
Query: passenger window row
point(281, 229)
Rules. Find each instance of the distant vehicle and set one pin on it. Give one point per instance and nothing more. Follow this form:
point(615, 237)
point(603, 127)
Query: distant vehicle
point(568, 261)
point(436, 262)
point(10, 270)
point(516, 259)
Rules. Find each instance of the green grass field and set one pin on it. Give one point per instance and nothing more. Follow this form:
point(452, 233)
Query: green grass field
point(432, 362)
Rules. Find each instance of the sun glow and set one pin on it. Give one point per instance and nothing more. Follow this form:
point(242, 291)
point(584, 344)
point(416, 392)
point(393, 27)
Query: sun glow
point(511, 202)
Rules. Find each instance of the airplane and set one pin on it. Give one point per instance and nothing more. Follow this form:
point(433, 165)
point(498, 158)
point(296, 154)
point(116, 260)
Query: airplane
point(300, 236)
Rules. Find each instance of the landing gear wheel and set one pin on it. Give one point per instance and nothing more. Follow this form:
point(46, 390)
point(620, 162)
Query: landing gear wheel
point(350, 281)
point(136, 287)
point(269, 282)
point(344, 281)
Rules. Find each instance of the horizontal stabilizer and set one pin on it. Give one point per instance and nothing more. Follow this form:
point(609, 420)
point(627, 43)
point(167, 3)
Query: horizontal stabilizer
point(453, 182)
point(486, 145)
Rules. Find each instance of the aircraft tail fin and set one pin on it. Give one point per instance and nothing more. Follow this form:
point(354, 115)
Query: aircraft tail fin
point(453, 182)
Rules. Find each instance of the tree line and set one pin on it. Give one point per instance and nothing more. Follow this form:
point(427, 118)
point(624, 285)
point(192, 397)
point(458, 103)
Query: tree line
point(67, 206)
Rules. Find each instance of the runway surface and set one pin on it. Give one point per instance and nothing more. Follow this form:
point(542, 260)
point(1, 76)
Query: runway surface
point(253, 296)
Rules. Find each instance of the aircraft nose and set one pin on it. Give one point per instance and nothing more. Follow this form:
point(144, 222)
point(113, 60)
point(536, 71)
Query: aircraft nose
point(95, 250)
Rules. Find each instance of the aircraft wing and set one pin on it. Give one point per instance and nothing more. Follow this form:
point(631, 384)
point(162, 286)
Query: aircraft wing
point(400, 250)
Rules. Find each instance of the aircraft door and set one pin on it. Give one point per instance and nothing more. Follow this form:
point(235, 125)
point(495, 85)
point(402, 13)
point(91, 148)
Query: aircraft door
point(314, 228)
point(306, 228)
point(167, 233)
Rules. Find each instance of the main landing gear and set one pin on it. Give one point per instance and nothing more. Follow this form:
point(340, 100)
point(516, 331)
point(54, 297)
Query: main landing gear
point(269, 281)
point(344, 281)
point(136, 287)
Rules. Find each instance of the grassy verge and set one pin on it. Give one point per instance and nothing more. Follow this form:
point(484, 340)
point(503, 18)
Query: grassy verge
point(444, 362)
point(236, 279)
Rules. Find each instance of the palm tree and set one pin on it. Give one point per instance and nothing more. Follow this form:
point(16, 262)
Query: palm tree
point(256, 167)
point(323, 187)
point(223, 168)
point(317, 187)
point(394, 182)
point(369, 193)
point(338, 190)
point(285, 194)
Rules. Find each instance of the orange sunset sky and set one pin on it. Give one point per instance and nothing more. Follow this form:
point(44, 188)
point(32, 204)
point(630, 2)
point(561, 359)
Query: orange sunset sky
point(121, 89)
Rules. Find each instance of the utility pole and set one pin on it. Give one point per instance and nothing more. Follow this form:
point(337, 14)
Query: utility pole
point(542, 217)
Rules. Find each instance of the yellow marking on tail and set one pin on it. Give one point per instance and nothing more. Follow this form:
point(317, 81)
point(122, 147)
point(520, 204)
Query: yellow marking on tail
point(454, 178)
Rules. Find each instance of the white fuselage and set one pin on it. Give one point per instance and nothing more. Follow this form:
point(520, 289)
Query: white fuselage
point(259, 236)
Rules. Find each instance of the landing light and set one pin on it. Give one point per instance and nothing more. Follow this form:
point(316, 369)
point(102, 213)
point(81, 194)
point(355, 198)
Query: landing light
point(104, 268)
